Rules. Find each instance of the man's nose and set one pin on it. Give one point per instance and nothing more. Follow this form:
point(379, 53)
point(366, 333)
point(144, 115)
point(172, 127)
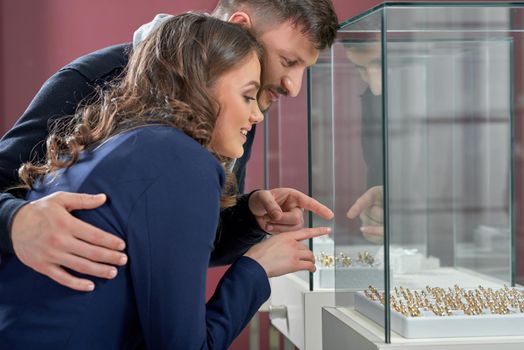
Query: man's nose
point(292, 83)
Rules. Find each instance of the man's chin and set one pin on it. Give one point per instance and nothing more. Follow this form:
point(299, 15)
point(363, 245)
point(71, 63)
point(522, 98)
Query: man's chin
point(264, 105)
point(264, 109)
point(264, 101)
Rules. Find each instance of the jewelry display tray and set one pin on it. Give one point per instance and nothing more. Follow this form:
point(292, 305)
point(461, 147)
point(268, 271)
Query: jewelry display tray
point(427, 326)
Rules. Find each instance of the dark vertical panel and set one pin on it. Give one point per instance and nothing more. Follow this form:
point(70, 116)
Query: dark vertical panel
point(518, 21)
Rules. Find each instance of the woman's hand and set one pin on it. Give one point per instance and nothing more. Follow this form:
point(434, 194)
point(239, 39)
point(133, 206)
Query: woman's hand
point(284, 253)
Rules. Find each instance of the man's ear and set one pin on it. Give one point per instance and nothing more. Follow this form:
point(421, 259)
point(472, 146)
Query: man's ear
point(241, 18)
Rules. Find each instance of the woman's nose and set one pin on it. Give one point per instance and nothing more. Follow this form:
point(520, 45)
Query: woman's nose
point(256, 115)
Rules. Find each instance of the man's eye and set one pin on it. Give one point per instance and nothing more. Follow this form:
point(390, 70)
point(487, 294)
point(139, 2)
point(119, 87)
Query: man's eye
point(289, 63)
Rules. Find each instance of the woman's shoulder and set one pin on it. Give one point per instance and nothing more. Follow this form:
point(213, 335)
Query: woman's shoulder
point(156, 148)
point(170, 141)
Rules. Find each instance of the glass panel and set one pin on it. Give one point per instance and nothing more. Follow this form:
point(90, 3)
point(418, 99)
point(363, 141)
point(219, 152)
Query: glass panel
point(357, 152)
point(286, 126)
point(287, 142)
point(449, 116)
point(438, 97)
point(322, 163)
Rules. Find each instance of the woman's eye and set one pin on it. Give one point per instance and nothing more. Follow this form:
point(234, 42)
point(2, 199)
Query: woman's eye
point(249, 98)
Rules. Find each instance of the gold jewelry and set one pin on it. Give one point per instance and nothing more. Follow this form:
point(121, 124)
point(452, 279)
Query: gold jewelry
point(448, 302)
point(345, 260)
point(366, 258)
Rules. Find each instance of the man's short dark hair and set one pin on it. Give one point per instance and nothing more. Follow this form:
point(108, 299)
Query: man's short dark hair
point(317, 18)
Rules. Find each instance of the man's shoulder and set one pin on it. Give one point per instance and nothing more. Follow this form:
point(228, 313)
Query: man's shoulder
point(100, 64)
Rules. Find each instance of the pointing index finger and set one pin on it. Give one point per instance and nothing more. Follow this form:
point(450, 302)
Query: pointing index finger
point(314, 206)
point(307, 233)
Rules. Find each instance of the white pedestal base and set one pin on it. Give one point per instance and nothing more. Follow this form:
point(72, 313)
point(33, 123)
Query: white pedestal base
point(347, 329)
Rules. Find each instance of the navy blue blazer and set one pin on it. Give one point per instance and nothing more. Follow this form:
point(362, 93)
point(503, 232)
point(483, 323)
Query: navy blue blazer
point(163, 193)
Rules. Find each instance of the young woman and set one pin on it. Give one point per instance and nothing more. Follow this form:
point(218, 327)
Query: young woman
point(156, 144)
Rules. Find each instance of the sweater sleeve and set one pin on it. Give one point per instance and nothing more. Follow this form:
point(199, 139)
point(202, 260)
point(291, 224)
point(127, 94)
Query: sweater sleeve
point(238, 231)
point(58, 97)
point(170, 239)
point(9, 206)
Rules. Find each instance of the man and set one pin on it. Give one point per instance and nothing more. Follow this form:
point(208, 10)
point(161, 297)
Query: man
point(43, 234)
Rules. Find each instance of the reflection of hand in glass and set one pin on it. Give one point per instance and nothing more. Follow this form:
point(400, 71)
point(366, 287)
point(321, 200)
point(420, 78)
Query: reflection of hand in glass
point(369, 207)
point(367, 58)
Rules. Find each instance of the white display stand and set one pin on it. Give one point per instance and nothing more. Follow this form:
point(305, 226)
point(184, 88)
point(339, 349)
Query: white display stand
point(301, 322)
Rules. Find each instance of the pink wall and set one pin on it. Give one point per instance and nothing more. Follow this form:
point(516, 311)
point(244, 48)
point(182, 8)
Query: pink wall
point(38, 37)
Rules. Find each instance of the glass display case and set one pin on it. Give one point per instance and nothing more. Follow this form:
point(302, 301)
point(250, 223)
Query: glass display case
point(415, 141)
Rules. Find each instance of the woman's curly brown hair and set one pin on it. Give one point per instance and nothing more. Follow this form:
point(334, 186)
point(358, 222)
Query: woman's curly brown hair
point(167, 81)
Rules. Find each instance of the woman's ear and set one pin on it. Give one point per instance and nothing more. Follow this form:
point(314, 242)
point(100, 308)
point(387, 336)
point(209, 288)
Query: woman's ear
point(241, 18)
